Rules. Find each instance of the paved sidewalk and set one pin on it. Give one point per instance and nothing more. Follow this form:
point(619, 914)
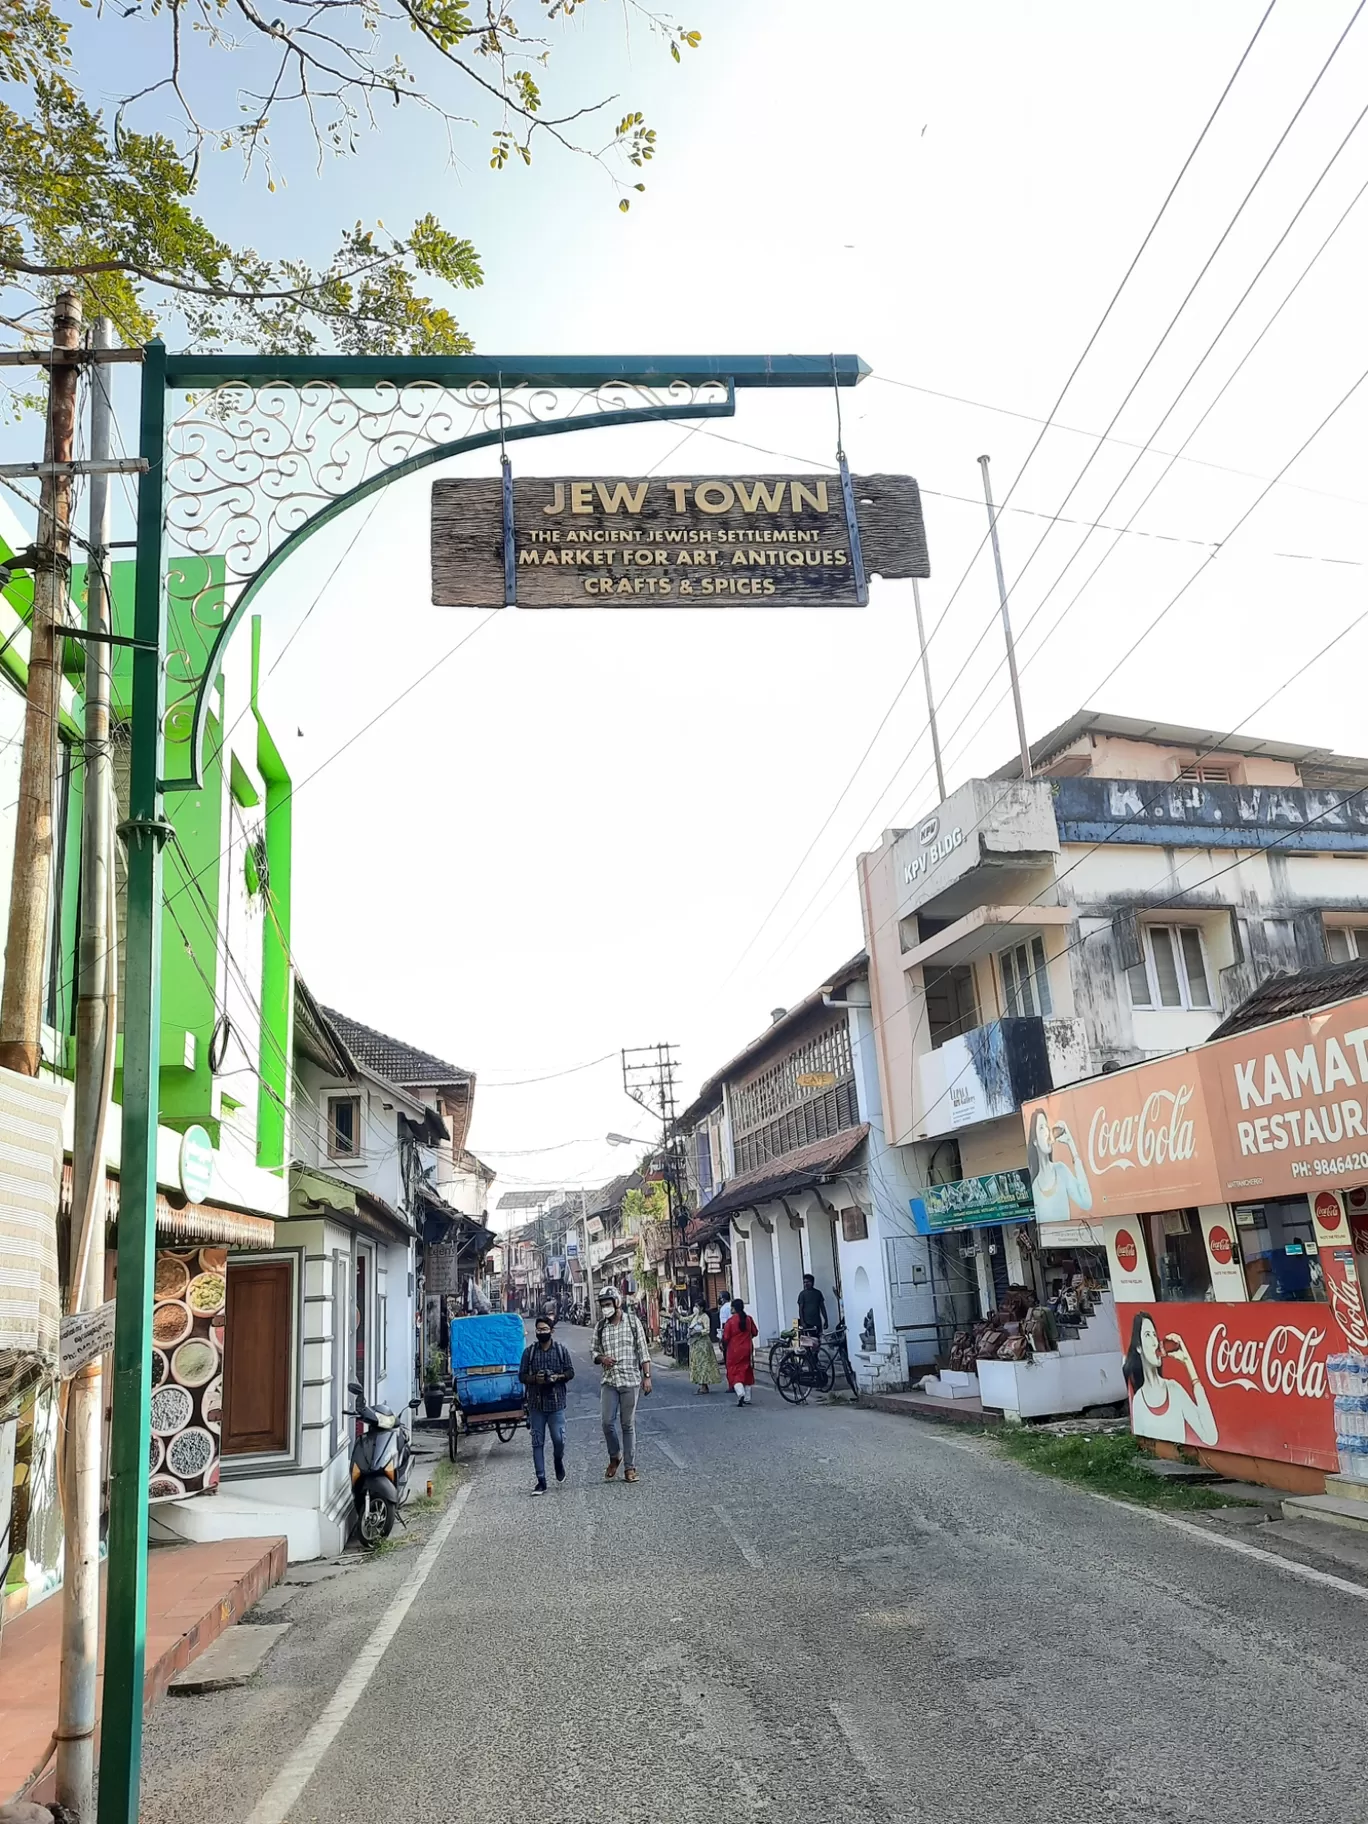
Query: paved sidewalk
point(194, 1593)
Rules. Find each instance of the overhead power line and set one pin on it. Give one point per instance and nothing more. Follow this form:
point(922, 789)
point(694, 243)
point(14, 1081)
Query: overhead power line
point(1039, 439)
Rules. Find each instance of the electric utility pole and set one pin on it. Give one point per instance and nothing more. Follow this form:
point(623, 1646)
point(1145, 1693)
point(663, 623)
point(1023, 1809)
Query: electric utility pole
point(21, 1001)
point(1006, 624)
point(588, 1269)
point(648, 1077)
point(94, 1081)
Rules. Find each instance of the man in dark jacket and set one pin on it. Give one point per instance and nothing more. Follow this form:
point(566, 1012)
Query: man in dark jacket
point(812, 1311)
point(545, 1371)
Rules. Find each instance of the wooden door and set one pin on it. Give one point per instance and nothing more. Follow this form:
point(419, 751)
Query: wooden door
point(257, 1354)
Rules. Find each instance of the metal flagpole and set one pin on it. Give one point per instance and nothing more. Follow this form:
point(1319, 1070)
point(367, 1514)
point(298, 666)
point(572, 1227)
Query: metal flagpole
point(930, 700)
point(1006, 624)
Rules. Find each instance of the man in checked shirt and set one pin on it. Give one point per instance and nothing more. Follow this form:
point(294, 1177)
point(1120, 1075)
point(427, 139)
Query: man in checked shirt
point(621, 1350)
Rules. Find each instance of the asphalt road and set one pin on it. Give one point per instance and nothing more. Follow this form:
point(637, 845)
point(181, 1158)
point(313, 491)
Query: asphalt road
point(795, 1614)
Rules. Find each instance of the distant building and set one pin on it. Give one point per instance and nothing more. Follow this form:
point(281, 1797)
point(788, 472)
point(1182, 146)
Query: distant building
point(1029, 933)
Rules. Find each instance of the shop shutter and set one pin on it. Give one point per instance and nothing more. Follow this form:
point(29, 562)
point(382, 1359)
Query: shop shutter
point(256, 1376)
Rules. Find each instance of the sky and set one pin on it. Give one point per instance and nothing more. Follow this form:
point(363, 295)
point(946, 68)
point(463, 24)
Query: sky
point(583, 830)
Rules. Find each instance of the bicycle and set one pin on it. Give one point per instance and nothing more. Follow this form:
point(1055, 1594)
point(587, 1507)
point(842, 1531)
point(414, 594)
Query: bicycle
point(805, 1369)
point(779, 1349)
point(842, 1353)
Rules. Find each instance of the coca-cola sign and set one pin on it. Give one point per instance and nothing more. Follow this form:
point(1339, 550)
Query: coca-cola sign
point(1346, 1296)
point(1246, 1379)
point(1160, 1132)
point(1221, 1245)
point(1126, 1250)
point(1287, 1361)
point(1142, 1141)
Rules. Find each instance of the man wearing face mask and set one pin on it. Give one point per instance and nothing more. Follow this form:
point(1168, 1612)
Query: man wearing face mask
point(621, 1351)
point(545, 1371)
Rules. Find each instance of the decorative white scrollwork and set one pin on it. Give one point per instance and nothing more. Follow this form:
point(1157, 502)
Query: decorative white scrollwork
point(248, 468)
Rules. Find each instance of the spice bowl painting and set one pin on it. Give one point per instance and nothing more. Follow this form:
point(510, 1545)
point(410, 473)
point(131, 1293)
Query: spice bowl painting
point(187, 1399)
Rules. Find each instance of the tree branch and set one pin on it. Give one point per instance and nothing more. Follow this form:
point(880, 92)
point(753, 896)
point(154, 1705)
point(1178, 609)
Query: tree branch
point(84, 269)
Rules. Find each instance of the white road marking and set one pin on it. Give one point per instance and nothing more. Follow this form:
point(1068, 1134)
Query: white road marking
point(1241, 1547)
point(746, 1549)
point(669, 1451)
point(275, 1804)
point(1326, 1579)
point(855, 1741)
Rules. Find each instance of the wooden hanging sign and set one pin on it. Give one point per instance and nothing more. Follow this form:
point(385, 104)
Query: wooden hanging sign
point(708, 541)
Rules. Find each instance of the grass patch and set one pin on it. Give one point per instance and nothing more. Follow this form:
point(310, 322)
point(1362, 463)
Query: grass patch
point(444, 1473)
point(1107, 1462)
point(422, 1509)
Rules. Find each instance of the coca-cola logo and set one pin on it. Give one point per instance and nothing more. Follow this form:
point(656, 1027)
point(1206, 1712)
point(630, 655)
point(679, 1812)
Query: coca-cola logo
point(1286, 1362)
point(1328, 1211)
point(1161, 1133)
point(1222, 1247)
point(1127, 1254)
point(1346, 1298)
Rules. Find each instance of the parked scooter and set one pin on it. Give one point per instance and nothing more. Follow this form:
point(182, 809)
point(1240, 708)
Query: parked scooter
point(380, 1461)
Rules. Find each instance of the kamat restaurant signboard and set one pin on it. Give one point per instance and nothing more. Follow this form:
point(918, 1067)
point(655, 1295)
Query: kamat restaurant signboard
point(1268, 1113)
point(1288, 1105)
point(709, 541)
point(1271, 1113)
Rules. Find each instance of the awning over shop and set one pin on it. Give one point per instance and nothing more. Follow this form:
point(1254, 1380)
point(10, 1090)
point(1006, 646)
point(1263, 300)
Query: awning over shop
point(193, 1223)
point(801, 1170)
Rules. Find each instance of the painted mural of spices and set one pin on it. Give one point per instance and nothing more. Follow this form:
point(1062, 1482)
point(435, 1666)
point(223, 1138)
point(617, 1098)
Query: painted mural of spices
point(187, 1400)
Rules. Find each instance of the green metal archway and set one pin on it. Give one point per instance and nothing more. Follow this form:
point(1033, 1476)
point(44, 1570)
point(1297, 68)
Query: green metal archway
point(268, 451)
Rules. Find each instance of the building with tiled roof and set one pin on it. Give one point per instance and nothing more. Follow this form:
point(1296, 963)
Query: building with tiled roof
point(450, 1087)
point(392, 1058)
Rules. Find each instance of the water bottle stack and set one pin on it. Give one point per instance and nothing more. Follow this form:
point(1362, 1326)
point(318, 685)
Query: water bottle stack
point(1349, 1384)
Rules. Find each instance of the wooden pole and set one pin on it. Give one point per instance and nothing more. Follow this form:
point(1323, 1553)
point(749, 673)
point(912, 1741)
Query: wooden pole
point(21, 1002)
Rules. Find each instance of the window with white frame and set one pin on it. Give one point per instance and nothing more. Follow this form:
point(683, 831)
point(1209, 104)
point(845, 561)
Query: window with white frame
point(1345, 942)
point(1025, 981)
point(1174, 972)
point(344, 1126)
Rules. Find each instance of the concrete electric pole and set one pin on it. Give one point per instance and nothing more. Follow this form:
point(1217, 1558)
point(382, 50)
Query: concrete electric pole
point(95, 1034)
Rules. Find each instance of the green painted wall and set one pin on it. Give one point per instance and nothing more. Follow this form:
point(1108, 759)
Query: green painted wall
point(193, 864)
point(277, 983)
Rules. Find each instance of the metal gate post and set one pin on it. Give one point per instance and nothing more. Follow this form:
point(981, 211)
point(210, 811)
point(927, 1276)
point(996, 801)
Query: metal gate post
point(144, 833)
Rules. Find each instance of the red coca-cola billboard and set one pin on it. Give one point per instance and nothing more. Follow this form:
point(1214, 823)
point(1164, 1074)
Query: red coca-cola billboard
point(1248, 1378)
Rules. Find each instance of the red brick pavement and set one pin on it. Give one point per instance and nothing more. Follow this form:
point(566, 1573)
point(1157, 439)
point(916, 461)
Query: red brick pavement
point(194, 1592)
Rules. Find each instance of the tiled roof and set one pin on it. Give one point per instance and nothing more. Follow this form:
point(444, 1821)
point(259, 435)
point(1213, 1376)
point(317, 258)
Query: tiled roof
point(392, 1058)
point(1282, 996)
point(611, 1196)
point(521, 1200)
point(795, 1171)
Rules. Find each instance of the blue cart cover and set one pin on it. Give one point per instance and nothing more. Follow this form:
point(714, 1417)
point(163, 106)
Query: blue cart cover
point(495, 1341)
point(477, 1388)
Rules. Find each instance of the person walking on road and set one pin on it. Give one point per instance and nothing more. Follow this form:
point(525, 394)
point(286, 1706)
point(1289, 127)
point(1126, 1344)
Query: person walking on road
point(703, 1369)
point(621, 1350)
point(738, 1345)
point(812, 1311)
point(545, 1371)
